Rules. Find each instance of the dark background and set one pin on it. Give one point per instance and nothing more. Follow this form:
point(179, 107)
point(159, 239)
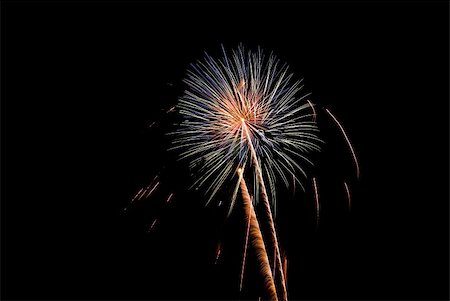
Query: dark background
point(83, 81)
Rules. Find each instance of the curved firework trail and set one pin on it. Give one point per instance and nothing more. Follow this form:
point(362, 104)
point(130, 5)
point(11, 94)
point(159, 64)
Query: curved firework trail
point(316, 195)
point(347, 140)
point(241, 107)
point(347, 190)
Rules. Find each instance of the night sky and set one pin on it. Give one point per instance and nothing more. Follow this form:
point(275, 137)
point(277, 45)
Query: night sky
point(82, 82)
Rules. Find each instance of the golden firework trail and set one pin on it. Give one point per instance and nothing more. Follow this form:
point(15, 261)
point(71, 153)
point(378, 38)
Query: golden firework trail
point(245, 249)
point(268, 213)
point(285, 262)
point(257, 242)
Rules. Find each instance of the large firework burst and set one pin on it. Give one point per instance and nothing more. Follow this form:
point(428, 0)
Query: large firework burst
point(245, 111)
point(246, 108)
point(245, 105)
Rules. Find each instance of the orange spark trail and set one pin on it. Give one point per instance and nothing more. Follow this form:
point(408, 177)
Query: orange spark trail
point(348, 142)
point(274, 262)
point(314, 110)
point(317, 201)
point(143, 191)
point(245, 253)
point(258, 245)
point(285, 268)
point(348, 196)
point(140, 194)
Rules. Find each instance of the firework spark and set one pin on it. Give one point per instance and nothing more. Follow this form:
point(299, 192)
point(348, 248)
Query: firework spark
point(293, 185)
point(218, 253)
point(151, 191)
point(137, 195)
point(316, 194)
point(140, 193)
point(153, 225)
point(144, 191)
point(169, 198)
point(313, 109)
point(171, 109)
point(347, 190)
point(348, 142)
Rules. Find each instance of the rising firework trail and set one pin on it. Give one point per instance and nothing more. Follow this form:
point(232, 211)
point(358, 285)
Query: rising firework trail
point(285, 267)
point(268, 214)
point(257, 242)
point(245, 249)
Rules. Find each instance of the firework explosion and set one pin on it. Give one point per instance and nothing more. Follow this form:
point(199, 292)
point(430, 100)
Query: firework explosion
point(244, 106)
point(245, 111)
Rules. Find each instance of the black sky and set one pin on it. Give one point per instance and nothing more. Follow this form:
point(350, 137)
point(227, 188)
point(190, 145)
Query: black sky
point(81, 82)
